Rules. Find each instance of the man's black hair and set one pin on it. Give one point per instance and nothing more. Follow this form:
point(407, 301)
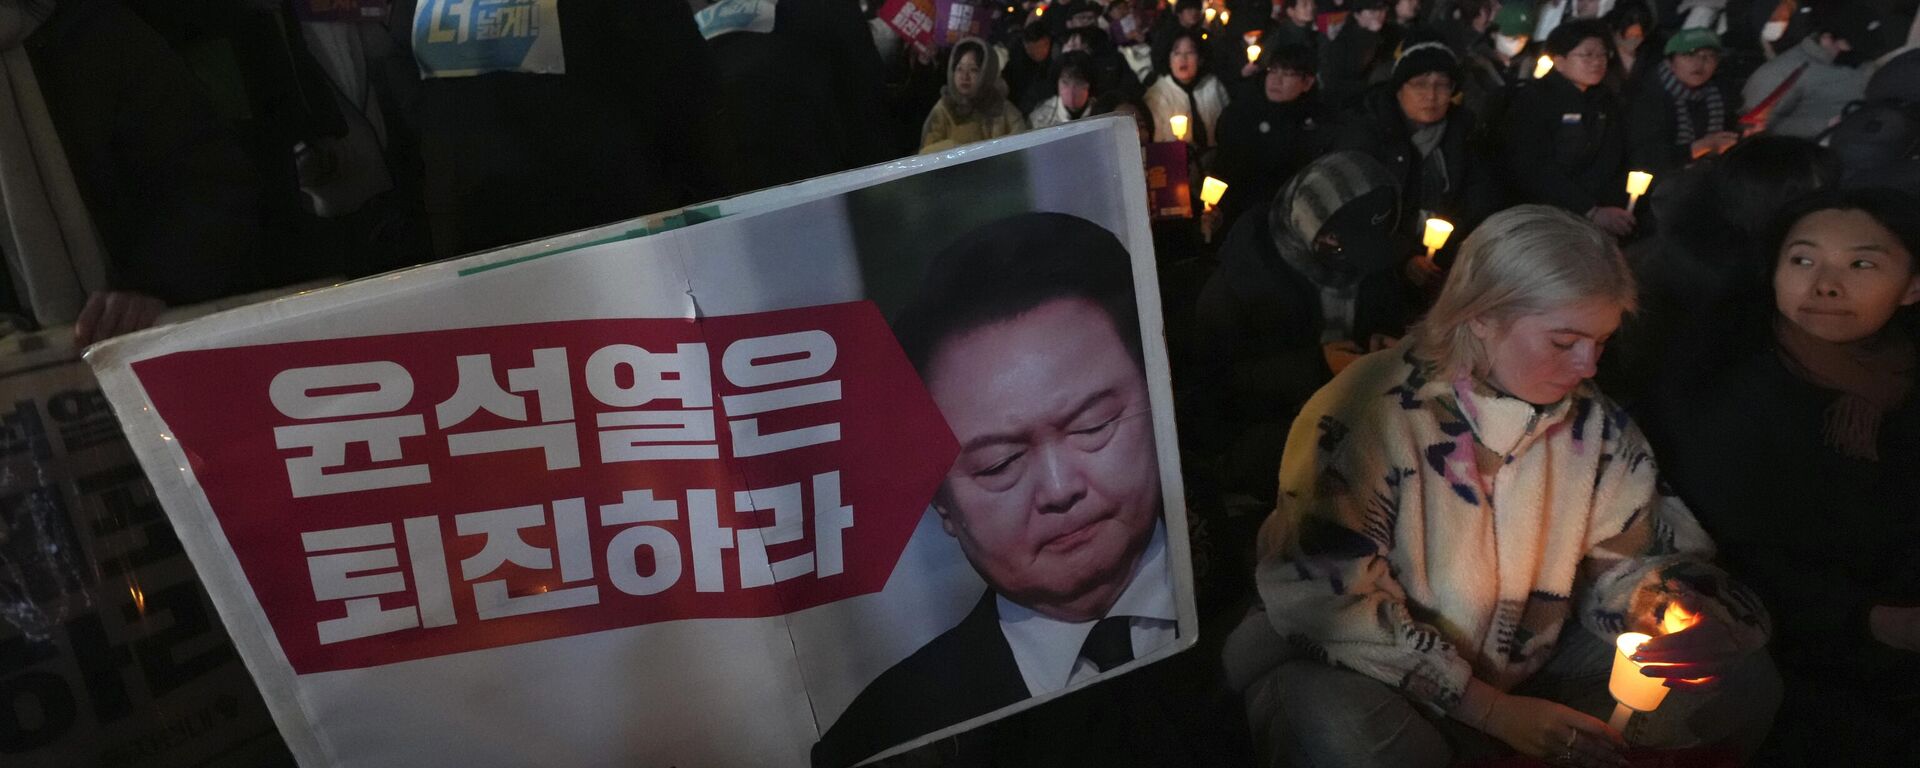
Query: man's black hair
point(1569, 35)
point(1293, 57)
point(1007, 268)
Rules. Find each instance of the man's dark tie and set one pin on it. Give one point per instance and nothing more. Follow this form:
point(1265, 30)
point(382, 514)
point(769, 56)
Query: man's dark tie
point(1110, 644)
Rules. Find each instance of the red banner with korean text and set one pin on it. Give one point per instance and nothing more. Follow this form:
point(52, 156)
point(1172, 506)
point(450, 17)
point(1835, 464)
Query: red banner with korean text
point(912, 20)
point(421, 494)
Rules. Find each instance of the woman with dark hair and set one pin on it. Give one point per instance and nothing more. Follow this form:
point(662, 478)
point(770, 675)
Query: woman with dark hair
point(1565, 142)
point(973, 107)
point(1632, 23)
point(1797, 442)
point(1713, 239)
point(1186, 88)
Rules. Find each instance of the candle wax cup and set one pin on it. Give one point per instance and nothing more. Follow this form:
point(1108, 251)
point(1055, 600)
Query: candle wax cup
point(1435, 237)
point(1637, 182)
point(1211, 189)
point(1628, 684)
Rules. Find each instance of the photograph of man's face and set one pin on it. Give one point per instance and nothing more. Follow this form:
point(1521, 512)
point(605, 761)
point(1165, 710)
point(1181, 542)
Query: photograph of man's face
point(1056, 490)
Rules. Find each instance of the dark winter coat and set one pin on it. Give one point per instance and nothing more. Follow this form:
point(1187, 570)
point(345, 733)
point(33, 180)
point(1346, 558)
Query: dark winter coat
point(1821, 536)
point(1565, 147)
point(1262, 144)
point(1380, 129)
point(628, 130)
point(173, 195)
point(1653, 122)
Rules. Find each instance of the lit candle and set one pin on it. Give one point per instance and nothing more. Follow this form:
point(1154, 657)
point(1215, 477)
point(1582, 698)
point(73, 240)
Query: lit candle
point(1253, 53)
point(1632, 688)
point(1542, 67)
point(1178, 124)
point(1438, 230)
point(1039, 11)
point(1210, 191)
point(1211, 12)
point(1637, 182)
point(1226, 17)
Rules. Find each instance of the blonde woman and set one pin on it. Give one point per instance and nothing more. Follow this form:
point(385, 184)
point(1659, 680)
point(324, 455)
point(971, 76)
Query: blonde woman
point(1447, 508)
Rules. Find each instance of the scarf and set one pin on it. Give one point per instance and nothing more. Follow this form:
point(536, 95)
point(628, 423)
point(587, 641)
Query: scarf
point(1700, 110)
point(1197, 130)
point(1873, 375)
point(53, 254)
point(1433, 181)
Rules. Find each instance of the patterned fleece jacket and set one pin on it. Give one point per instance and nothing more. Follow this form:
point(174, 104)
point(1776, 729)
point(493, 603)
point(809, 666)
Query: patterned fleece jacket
point(1436, 535)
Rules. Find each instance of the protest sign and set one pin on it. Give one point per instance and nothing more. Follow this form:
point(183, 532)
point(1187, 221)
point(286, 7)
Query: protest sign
point(698, 489)
point(462, 38)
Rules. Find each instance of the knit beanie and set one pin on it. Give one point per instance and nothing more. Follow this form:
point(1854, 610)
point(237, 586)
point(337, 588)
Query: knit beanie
point(1421, 58)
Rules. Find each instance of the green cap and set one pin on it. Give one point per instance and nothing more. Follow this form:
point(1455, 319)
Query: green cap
point(1693, 39)
point(1515, 19)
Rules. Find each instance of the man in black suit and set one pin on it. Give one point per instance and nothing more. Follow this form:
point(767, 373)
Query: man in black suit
point(1026, 334)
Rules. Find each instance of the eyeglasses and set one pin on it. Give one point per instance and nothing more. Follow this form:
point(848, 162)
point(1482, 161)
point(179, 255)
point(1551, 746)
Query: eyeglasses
point(1436, 85)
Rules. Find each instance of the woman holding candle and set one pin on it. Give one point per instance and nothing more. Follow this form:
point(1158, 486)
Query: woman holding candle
point(1464, 527)
point(973, 107)
point(1186, 87)
point(1565, 140)
point(1798, 441)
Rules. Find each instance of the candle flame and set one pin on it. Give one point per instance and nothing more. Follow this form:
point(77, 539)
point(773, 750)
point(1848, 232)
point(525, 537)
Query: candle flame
point(1253, 53)
point(1542, 67)
point(1677, 618)
point(1178, 124)
point(1212, 12)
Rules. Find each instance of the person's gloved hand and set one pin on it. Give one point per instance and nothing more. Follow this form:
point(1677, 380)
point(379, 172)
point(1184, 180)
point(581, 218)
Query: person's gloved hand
point(1555, 732)
point(111, 313)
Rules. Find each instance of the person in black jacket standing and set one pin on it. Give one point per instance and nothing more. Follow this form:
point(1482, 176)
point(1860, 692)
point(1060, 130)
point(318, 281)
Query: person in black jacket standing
point(1565, 142)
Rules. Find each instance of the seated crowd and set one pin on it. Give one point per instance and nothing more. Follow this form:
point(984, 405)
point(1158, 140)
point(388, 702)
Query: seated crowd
point(1684, 409)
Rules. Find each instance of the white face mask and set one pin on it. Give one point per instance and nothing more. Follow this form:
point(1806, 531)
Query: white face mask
point(1509, 46)
point(1772, 31)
